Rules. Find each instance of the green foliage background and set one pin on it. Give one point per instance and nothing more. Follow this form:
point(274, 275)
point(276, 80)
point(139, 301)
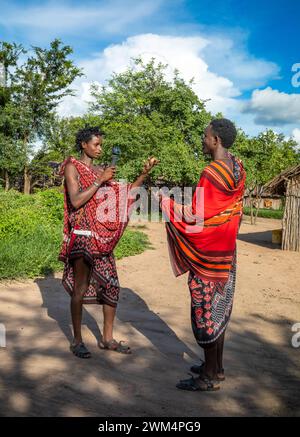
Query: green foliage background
point(31, 234)
point(140, 111)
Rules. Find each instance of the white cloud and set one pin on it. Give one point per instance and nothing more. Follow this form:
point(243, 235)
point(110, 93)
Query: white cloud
point(78, 104)
point(229, 54)
point(296, 135)
point(187, 54)
point(181, 53)
point(274, 108)
point(61, 18)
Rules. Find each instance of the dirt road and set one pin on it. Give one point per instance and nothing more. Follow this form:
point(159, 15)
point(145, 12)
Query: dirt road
point(40, 377)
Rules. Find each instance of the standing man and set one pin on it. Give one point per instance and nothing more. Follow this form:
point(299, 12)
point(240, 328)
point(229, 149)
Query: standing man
point(90, 275)
point(209, 254)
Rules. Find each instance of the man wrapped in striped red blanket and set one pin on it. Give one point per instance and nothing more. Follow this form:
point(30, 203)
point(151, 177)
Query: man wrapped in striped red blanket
point(202, 241)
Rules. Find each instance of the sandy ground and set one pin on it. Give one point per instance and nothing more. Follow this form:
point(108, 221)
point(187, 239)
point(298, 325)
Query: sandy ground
point(40, 377)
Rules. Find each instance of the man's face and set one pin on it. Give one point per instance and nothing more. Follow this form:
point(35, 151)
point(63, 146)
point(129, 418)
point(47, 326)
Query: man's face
point(93, 148)
point(208, 141)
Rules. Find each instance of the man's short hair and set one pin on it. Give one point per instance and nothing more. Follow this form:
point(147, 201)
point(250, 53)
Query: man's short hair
point(225, 130)
point(86, 134)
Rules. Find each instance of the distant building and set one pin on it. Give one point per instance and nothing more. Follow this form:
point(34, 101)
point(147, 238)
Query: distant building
point(288, 184)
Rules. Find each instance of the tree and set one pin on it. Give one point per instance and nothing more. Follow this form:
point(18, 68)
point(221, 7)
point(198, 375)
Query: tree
point(10, 160)
point(144, 114)
point(61, 131)
point(37, 87)
point(264, 156)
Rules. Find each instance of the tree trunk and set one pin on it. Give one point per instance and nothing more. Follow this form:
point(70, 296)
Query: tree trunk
point(251, 204)
point(7, 185)
point(27, 180)
point(27, 176)
point(251, 209)
point(258, 199)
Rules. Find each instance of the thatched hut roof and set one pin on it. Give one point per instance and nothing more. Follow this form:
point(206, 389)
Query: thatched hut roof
point(278, 184)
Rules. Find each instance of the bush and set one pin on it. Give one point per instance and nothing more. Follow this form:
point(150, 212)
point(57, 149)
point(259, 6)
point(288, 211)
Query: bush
point(21, 214)
point(52, 202)
point(266, 213)
point(31, 234)
point(30, 254)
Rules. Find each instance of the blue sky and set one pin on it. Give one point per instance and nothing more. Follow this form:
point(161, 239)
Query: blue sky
point(240, 52)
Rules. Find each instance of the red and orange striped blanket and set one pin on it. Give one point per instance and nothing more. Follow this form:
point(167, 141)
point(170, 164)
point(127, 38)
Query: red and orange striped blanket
point(207, 248)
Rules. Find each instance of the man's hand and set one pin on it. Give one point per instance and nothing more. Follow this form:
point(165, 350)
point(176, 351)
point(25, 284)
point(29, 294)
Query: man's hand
point(108, 174)
point(149, 164)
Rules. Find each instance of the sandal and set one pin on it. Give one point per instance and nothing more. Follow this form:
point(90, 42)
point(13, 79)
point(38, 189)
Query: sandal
point(198, 384)
point(200, 369)
point(80, 351)
point(115, 346)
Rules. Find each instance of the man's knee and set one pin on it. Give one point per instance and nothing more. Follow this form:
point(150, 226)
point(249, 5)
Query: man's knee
point(79, 290)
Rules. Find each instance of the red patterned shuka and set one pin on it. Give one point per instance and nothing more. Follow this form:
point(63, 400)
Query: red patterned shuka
point(92, 232)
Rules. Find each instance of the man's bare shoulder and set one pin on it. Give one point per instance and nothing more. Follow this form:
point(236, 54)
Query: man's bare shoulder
point(70, 169)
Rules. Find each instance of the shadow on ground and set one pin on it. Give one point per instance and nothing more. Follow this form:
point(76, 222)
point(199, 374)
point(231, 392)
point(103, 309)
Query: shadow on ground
point(263, 239)
point(40, 377)
point(58, 307)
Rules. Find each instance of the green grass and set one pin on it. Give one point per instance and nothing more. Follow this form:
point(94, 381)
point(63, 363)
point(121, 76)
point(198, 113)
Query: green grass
point(31, 254)
point(132, 243)
point(31, 235)
point(266, 213)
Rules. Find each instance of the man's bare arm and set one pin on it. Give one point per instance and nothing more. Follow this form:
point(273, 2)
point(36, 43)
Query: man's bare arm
point(149, 164)
point(79, 198)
